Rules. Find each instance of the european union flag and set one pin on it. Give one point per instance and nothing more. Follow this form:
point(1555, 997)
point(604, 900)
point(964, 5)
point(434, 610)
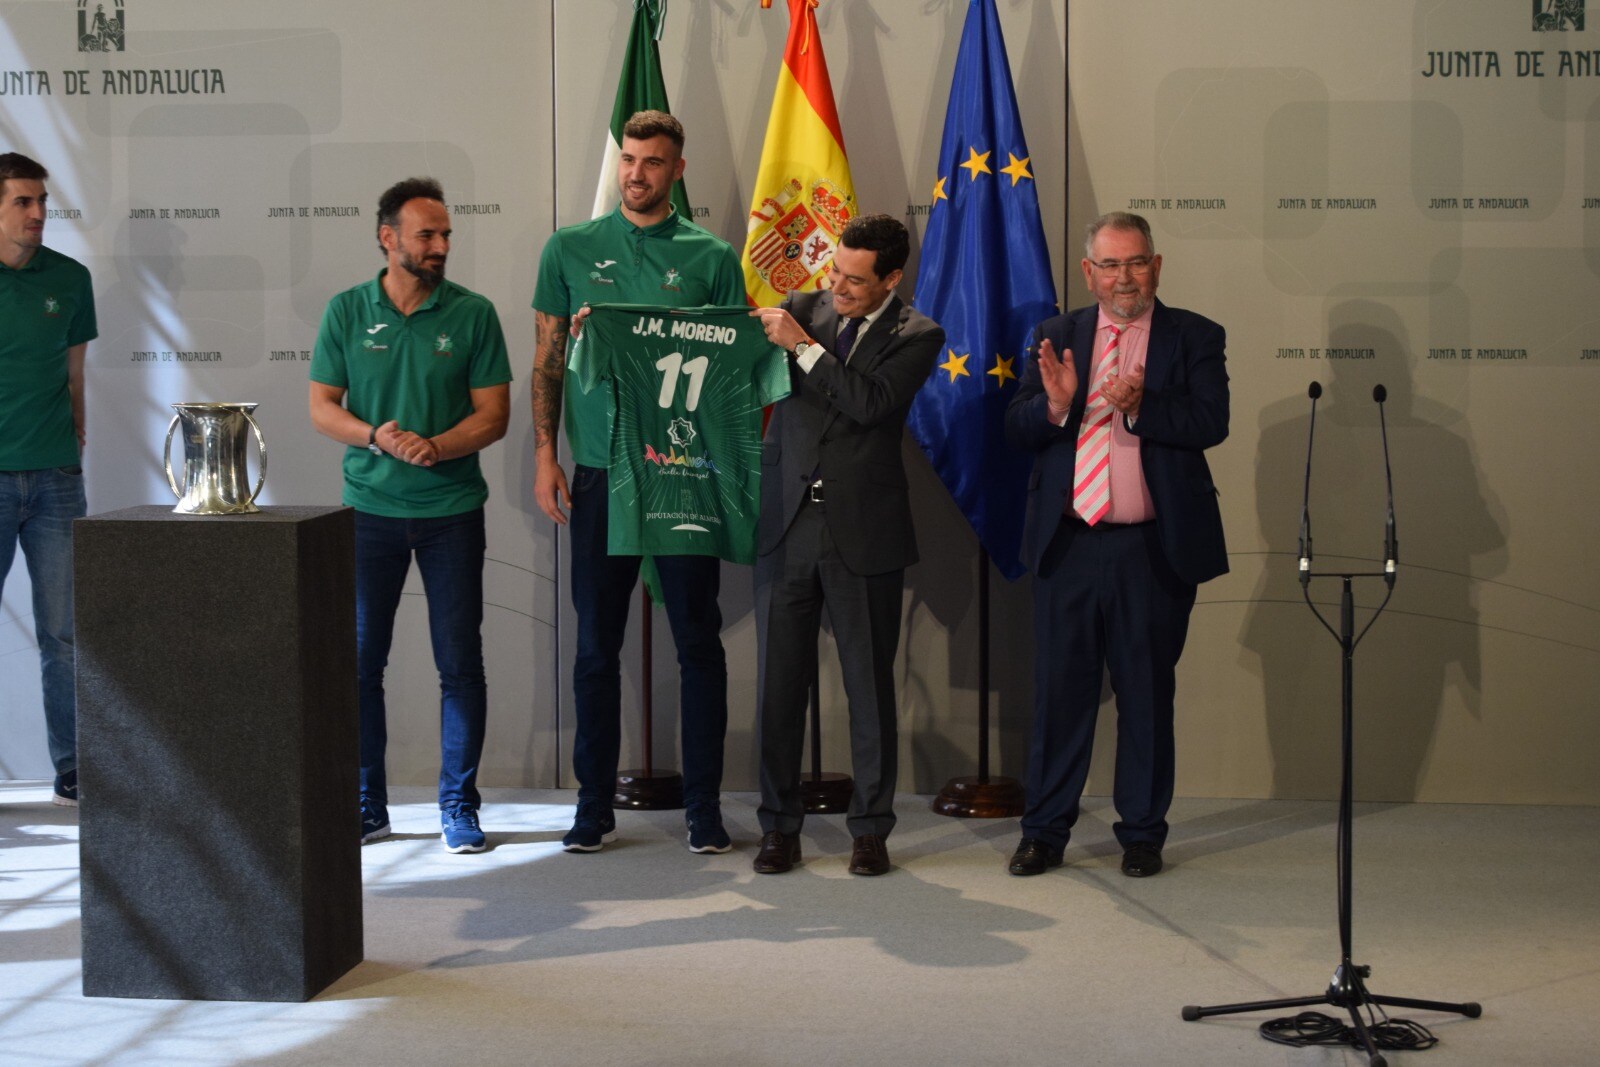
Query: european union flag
point(985, 277)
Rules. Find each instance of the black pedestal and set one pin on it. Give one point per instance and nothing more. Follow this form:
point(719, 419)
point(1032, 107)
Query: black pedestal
point(641, 790)
point(217, 743)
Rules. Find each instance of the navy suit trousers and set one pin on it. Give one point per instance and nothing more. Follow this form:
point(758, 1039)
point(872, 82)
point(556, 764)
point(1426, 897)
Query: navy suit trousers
point(1105, 599)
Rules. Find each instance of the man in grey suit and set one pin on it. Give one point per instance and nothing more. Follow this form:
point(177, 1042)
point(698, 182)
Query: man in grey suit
point(835, 530)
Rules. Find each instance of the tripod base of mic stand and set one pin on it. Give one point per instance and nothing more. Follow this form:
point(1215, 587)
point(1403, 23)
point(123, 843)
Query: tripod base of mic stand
point(979, 798)
point(648, 790)
point(827, 794)
point(1347, 991)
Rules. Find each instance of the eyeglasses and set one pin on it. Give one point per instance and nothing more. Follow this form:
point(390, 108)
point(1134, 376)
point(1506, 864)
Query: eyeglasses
point(1138, 266)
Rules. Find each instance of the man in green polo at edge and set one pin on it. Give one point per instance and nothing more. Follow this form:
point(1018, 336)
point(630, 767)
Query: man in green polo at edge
point(641, 253)
point(46, 323)
point(410, 372)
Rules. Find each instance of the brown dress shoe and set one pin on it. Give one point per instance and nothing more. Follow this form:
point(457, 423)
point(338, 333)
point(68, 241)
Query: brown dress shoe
point(779, 853)
point(870, 856)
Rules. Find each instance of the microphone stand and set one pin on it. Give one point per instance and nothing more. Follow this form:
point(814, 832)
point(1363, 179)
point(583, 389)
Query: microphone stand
point(1347, 989)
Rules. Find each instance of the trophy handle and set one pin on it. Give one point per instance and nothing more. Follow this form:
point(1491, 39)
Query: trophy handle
point(262, 445)
point(166, 459)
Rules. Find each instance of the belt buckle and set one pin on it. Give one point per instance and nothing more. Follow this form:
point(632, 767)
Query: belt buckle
point(814, 491)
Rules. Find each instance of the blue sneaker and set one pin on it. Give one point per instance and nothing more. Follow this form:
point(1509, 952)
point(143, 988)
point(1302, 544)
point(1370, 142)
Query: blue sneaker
point(460, 830)
point(66, 790)
point(594, 826)
point(374, 820)
point(705, 828)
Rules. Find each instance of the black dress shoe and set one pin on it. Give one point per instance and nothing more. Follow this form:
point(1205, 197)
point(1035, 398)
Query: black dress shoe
point(1034, 856)
point(779, 853)
point(1141, 860)
point(870, 856)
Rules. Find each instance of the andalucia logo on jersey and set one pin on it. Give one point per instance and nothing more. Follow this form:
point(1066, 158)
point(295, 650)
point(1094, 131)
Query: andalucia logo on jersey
point(681, 431)
point(52, 306)
point(681, 463)
point(443, 346)
point(670, 281)
point(100, 32)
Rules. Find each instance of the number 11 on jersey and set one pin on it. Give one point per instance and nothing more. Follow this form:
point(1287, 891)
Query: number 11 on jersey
point(670, 367)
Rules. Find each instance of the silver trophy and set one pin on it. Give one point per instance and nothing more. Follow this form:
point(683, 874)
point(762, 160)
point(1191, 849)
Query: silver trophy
point(214, 446)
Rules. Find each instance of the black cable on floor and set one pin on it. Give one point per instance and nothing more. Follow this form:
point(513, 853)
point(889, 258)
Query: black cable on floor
point(1315, 1028)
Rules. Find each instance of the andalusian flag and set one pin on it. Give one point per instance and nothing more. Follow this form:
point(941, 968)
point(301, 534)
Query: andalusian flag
point(985, 277)
point(803, 194)
point(641, 88)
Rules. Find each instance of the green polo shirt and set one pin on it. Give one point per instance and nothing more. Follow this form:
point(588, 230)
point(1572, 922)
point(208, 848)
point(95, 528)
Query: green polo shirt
point(610, 260)
point(46, 308)
point(418, 370)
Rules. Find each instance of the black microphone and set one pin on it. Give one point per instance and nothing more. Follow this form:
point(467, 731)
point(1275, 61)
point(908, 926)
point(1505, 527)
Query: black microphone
point(1305, 503)
point(1391, 546)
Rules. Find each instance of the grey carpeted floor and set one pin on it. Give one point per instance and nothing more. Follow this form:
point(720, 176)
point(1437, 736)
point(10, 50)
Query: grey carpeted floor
point(648, 954)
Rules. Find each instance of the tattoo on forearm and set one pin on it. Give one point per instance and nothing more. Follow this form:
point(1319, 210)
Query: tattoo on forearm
point(549, 370)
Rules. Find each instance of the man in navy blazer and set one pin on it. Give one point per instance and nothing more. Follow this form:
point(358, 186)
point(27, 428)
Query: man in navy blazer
point(1119, 402)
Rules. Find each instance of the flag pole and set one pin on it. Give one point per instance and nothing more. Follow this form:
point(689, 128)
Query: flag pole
point(645, 788)
point(822, 792)
point(981, 797)
point(639, 88)
point(984, 275)
point(803, 149)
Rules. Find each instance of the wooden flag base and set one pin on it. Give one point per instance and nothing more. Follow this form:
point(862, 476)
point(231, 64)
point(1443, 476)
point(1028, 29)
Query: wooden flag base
point(649, 790)
point(977, 798)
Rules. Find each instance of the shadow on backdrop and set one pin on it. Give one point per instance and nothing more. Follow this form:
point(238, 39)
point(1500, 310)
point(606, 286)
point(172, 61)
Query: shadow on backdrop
point(1425, 651)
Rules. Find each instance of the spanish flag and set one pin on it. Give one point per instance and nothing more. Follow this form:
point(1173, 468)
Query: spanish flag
point(803, 194)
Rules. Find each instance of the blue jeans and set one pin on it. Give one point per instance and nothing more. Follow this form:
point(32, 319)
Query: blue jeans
point(602, 589)
point(36, 510)
point(449, 554)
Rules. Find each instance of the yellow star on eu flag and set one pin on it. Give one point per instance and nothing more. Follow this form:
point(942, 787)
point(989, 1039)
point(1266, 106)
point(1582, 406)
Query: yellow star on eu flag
point(1018, 169)
point(956, 365)
point(1002, 369)
point(977, 163)
point(938, 191)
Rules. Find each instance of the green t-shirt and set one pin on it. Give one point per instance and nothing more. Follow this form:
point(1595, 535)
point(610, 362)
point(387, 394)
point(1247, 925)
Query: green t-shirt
point(46, 308)
point(418, 370)
point(685, 457)
point(672, 264)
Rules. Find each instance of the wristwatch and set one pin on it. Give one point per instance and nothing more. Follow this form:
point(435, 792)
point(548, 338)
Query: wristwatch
point(372, 442)
point(800, 346)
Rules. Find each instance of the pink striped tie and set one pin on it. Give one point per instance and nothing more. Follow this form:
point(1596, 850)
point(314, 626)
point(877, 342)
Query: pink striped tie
point(1091, 483)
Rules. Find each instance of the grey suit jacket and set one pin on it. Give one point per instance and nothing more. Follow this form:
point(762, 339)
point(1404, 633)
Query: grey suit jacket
point(846, 421)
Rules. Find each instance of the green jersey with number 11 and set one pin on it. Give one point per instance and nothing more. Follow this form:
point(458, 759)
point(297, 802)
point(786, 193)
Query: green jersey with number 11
point(690, 383)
